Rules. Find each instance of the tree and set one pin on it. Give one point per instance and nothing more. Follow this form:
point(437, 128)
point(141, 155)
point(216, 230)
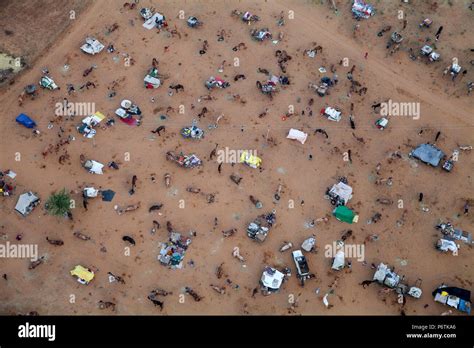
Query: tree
point(58, 203)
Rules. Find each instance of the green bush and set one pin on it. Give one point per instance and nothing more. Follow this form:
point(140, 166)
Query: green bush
point(58, 204)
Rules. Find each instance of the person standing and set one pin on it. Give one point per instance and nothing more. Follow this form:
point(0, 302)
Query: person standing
point(438, 33)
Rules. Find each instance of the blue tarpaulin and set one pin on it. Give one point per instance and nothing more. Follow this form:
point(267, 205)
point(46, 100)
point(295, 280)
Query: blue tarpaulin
point(428, 153)
point(25, 121)
point(108, 195)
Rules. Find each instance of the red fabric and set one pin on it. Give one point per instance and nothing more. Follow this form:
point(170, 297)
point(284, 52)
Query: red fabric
point(130, 121)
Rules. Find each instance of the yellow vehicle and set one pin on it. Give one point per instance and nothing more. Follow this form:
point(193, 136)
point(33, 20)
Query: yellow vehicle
point(250, 160)
point(84, 275)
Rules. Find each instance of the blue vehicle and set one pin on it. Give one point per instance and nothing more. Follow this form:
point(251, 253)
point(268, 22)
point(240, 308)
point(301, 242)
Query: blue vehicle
point(26, 121)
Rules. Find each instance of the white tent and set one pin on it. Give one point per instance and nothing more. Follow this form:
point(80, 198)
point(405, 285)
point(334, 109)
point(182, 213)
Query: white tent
point(272, 278)
point(339, 260)
point(91, 192)
point(92, 46)
point(93, 120)
point(155, 82)
point(332, 114)
point(308, 244)
point(448, 245)
point(151, 23)
point(26, 202)
point(342, 190)
point(297, 135)
point(94, 167)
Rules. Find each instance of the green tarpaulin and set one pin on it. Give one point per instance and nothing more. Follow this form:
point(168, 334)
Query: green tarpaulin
point(344, 214)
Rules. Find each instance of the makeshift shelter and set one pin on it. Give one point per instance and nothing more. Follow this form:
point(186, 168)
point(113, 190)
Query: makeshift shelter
point(250, 160)
point(151, 80)
point(339, 261)
point(429, 52)
point(94, 167)
point(454, 297)
point(381, 123)
point(455, 69)
point(94, 120)
point(192, 132)
point(386, 276)
point(295, 134)
point(155, 21)
point(172, 252)
point(90, 192)
point(428, 154)
point(261, 34)
point(344, 214)
point(193, 22)
point(107, 195)
point(146, 13)
point(5, 188)
point(308, 244)
point(26, 202)
point(340, 193)
point(361, 9)
point(259, 228)
point(25, 121)
point(271, 280)
point(127, 113)
point(92, 46)
point(445, 244)
point(331, 114)
point(87, 126)
point(48, 83)
point(448, 230)
point(83, 274)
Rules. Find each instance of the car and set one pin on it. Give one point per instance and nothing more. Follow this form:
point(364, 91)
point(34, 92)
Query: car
point(302, 268)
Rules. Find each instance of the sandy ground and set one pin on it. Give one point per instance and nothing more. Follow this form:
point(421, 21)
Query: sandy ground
point(445, 107)
point(29, 28)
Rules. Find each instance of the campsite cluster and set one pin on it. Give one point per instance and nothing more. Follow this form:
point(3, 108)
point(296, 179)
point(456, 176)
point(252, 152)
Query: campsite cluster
point(172, 251)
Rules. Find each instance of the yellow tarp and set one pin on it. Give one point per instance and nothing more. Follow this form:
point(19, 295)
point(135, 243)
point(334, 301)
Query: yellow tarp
point(83, 273)
point(100, 115)
point(251, 160)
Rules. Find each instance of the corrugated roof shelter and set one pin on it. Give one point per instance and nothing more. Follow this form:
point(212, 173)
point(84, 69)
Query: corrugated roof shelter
point(428, 153)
